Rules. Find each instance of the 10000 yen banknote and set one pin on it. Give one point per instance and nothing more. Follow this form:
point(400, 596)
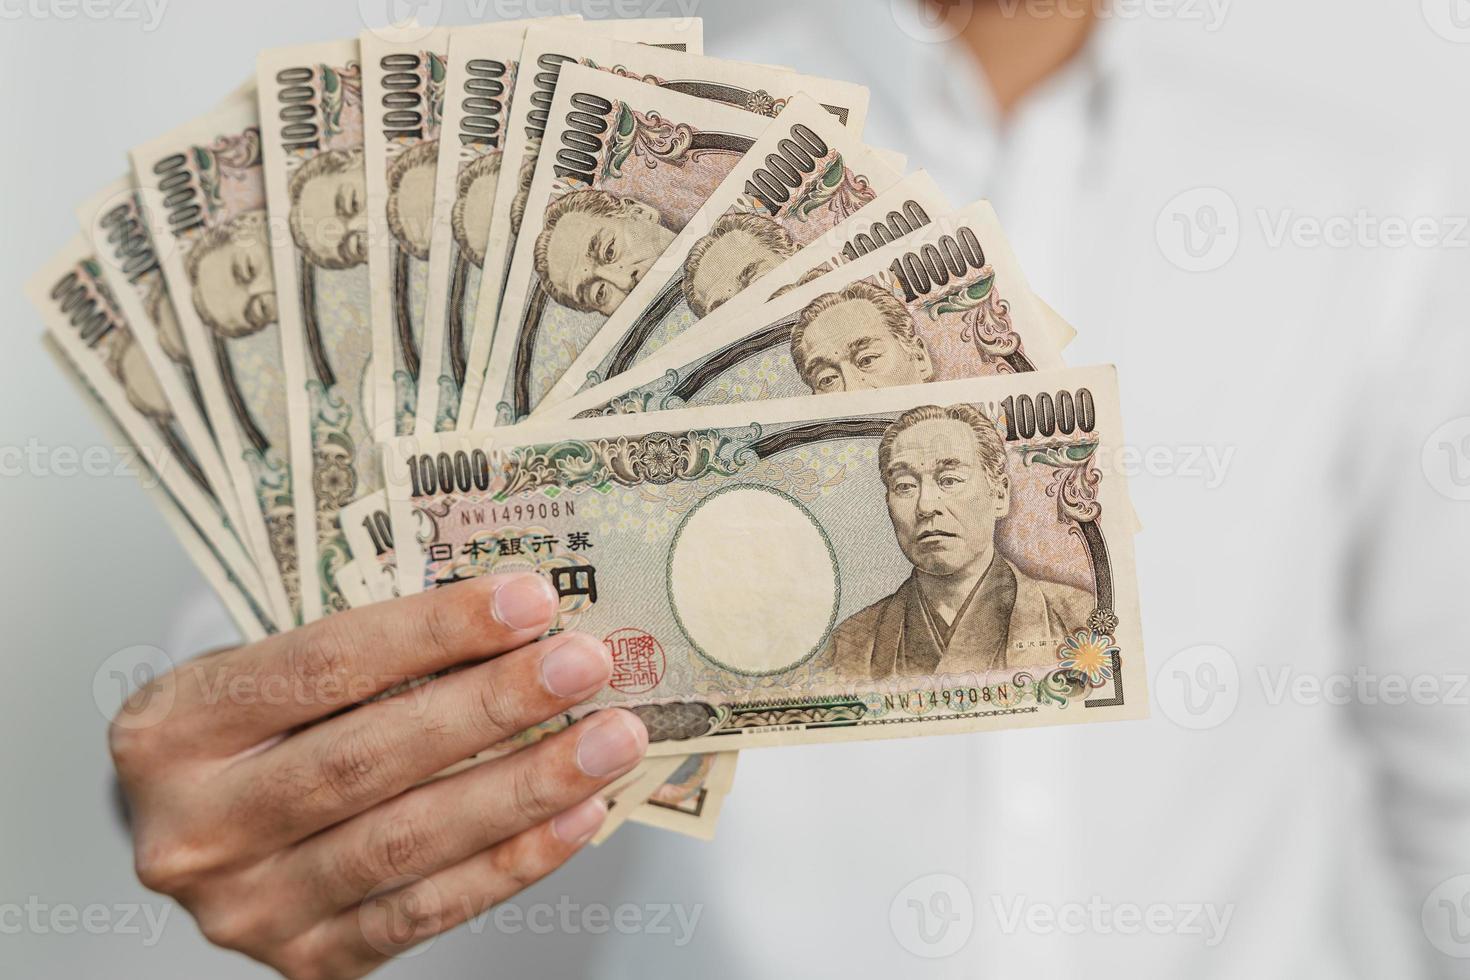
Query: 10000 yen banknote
point(627, 795)
point(311, 116)
point(750, 87)
point(201, 551)
point(632, 163)
point(369, 532)
point(112, 221)
point(352, 583)
point(480, 75)
point(203, 192)
point(924, 559)
point(85, 322)
point(539, 65)
point(689, 801)
point(764, 91)
point(948, 301)
point(804, 177)
point(899, 211)
point(403, 80)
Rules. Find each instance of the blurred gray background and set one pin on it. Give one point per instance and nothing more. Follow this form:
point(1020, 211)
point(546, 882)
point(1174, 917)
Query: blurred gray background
point(89, 569)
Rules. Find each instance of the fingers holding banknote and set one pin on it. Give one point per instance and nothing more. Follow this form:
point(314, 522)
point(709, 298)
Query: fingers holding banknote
point(433, 829)
point(307, 674)
point(297, 826)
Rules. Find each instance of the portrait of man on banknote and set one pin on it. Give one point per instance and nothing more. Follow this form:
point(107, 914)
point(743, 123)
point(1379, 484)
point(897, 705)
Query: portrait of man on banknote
point(128, 364)
point(739, 249)
point(856, 339)
point(411, 197)
point(160, 310)
point(229, 269)
point(328, 215)
point(595, 247)
point(525, 173)
point(474, 203)
point(965, 607)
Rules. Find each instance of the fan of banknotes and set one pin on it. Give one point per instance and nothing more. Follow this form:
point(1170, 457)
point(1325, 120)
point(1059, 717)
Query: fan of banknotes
point(787, 430)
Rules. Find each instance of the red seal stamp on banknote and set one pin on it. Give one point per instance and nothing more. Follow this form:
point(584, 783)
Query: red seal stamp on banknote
point(638, 660)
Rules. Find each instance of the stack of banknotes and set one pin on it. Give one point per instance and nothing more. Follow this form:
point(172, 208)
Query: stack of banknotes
point(782, 425)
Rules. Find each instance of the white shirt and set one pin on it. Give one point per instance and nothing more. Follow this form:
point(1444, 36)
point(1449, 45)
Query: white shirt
point(1281, 404)
point(1290, 840)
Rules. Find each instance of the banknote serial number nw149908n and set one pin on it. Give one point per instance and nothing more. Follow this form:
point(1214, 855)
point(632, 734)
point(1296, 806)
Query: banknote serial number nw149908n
point(1000, 695)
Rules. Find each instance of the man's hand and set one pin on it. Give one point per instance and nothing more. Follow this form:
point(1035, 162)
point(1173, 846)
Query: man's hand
point(290, 819)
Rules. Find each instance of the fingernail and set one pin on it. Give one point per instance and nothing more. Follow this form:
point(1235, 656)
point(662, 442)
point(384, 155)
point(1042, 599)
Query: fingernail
point(613, 743)
point(580, 822)
point(524, 602)
point(579, 665)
